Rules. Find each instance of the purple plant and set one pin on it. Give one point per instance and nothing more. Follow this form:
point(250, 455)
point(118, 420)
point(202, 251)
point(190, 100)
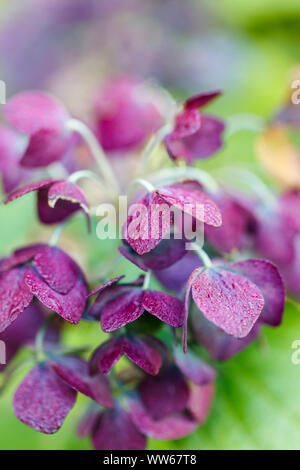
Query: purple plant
point(208, 293)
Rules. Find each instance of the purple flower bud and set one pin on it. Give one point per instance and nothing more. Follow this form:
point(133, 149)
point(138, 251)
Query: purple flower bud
point(44, 119)
point(125, 115)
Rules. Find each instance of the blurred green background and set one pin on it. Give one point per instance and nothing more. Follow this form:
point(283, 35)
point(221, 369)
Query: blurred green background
point(246, 48)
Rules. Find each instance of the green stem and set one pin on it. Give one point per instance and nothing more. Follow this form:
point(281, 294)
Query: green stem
point(77, 175)
point(152, 145)
point(39, 339)
point(147, 280)
point(172, 175)
point(97, 152)
point(57, 233)
point(202, 255)
point(253, 182)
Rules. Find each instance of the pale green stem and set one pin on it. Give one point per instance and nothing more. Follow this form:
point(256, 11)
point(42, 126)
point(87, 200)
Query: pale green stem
point(97, 152)
point(57, 233)
point(140, 182)
point(172, 175)
point(152, 145)
point(80, 174)
point(244, 122)
point(39, 339)
point(253, 182)
point(147, 280)
point(202, 255)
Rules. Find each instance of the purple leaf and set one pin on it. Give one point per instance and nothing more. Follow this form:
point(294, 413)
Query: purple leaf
point(231, 302)
point(116, 431)
point(148, 223)
point(56, 268)
point(74, 371)
point(105, 285)
point(172, 427)
point(67, 191)
point(106, 355)
point(42, 400)
point(14, 296)
point(199, 145)
point(175, 277)
point(164, 306)
point(201, 100)
point(28, 189)
point(88, 422)
point(123, 309)
point(232, 232)
point(192, 202)
point(142, 353)
point(187, 123)
point(267, 277)
point(194, 368)
point(200, 401)
point(164, 394)
point(219, 344)
point(70, 306)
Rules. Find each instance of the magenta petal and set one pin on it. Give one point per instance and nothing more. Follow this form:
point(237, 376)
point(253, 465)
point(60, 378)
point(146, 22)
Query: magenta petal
point(142, 353)
point(116, 431)
point(14, 296)
point(195, 203)
point(74, 371)
point(165, 393)
point(70, 306)
point(106, 355)
point(201, 100)
point(148, 223)
point(31, 111)
point(194, 368)
point(164, 306)
point(42, 401)
point(56, 268)
point(123, 309)
point(67, 191)
point(45, 147)
point(267, 277)
point(231, 302)
point(219, 344)
point(172, 427)
point(28, 189)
